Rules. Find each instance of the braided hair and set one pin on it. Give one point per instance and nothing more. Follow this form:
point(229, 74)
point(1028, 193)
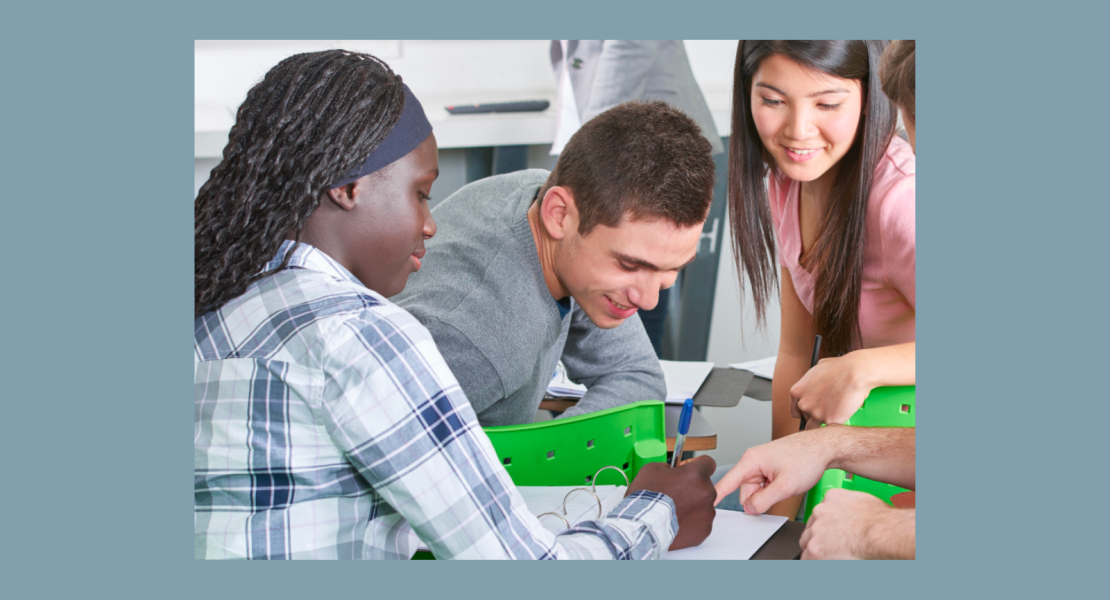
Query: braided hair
point(311, 120)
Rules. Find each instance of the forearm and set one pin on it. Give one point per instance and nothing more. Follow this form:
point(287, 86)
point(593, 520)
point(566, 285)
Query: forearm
point(893, 536)
point(617, 366)
point(789, 368)
point(618, 389)
point(888, 365)
point(880, 453)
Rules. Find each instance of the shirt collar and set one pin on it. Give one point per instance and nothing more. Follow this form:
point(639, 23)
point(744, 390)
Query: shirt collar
point(307, 256)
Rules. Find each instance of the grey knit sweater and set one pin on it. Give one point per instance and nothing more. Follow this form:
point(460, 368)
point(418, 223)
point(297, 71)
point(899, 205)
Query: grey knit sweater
point(482, 295)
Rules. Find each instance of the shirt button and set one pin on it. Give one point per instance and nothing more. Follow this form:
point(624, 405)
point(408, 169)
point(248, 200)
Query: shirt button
point(576, 63)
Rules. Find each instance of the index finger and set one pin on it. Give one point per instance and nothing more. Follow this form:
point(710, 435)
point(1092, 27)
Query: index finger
point(744, 472)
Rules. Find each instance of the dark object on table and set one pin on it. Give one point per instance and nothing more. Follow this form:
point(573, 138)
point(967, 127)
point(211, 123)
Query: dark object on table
point(492, 107)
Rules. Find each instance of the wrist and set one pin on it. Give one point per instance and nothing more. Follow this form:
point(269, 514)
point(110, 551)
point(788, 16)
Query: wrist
point(837, 446)
point(862, 369)
point(891, 534)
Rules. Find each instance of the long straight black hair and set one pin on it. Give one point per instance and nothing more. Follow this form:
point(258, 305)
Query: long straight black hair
point(837, 256)
point(312, 119)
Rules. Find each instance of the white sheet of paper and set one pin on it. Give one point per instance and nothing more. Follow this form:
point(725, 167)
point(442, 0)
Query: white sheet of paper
point(736, 536)
point(684, 378)
point(764, 367)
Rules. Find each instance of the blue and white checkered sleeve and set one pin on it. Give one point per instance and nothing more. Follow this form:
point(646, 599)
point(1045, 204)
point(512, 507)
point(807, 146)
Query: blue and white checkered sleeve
point(402, 420)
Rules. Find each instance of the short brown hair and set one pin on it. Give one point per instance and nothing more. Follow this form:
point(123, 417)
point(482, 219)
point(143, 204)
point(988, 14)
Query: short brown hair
point(897, 75)
point(647, 159)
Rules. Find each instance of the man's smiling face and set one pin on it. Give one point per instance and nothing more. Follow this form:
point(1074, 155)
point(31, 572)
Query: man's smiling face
point(614, 271)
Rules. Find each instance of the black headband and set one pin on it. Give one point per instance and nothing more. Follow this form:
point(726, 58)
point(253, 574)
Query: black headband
point(409, 132)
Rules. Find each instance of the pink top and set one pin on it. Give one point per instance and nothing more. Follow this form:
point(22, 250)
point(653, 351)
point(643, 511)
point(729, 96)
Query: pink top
point(887, 306)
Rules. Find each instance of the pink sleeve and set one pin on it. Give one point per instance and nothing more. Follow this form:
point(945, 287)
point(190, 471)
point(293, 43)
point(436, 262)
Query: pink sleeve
point(897, 221)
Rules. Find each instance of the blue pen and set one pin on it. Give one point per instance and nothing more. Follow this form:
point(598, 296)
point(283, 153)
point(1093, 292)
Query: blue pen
point(683, 429)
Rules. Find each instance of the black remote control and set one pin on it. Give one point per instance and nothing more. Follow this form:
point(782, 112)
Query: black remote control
point(492, 107)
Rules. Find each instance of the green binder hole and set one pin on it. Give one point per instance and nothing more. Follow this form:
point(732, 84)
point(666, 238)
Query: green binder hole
point(848, 476)
point(625, 467)
point(628, 430)
point(905, 408)
point(550, 454)
point(507, 460)
point(589, 478)
point(590, 444)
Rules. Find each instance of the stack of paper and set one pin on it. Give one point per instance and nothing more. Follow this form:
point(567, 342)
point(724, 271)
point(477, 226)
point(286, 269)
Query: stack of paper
point(562, 387)
point(764, 367)
point(684, 378)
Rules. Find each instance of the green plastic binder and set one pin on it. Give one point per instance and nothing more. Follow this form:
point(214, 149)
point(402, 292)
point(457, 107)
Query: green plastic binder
point(569, 451)
point(884, 407)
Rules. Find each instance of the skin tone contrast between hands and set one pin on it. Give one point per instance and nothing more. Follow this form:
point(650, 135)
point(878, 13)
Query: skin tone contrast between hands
point(846, 524)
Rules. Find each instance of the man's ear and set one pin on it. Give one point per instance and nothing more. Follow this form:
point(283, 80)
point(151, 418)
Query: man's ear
point(344, 196)
point(559, 212)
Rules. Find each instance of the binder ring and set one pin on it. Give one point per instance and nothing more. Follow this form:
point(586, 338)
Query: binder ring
point(541, 516)
point(582, 489)
point(593, 482)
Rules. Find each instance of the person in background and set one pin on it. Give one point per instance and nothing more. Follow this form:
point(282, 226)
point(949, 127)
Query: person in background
point(596, 75)
point(326, 423)
point(898, 76)
point(815, 165)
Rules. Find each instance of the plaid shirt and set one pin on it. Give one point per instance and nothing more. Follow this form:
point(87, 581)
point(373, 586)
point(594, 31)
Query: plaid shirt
point(327, 425)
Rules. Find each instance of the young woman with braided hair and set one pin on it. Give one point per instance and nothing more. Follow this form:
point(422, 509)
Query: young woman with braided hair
point(327, 425)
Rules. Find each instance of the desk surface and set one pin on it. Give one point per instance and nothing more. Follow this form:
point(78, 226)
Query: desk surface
point(702, 436)
point(759, 389)
point(783, 545)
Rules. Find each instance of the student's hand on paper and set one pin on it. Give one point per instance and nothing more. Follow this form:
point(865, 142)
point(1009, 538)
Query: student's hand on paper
point(831, 391)
point(855, 525)
point(688, 485)
point(778, 470)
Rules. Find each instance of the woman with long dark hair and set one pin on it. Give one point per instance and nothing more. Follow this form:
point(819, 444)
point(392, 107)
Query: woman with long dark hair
point(815, 165)
point(327, 424)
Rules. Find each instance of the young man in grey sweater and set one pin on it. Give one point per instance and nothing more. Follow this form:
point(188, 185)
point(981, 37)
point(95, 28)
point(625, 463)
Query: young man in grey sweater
point(532, 266)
